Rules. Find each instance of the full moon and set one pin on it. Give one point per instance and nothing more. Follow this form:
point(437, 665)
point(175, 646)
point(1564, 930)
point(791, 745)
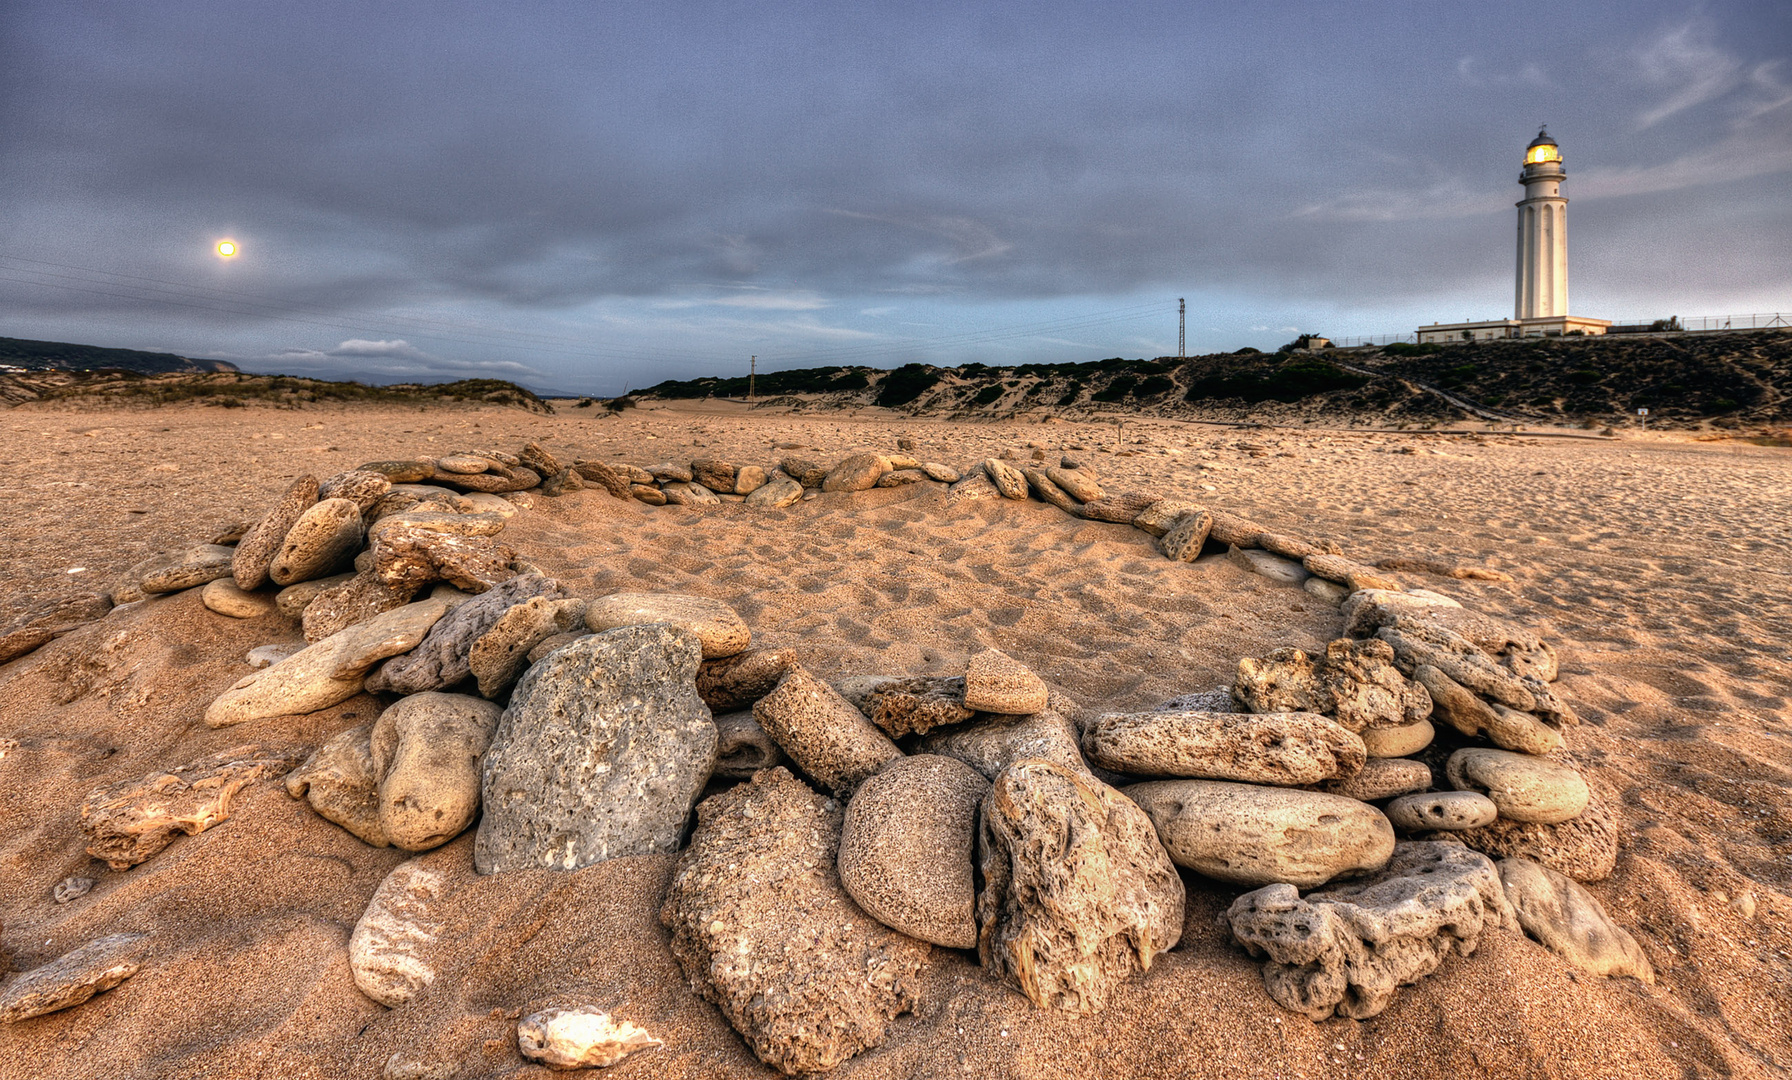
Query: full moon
point(227, 248)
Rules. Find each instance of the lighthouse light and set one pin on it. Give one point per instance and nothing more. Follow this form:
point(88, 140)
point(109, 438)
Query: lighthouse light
point(1539, 154)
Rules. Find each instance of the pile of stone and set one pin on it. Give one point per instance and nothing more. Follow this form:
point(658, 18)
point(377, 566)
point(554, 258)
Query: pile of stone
point(843, 830)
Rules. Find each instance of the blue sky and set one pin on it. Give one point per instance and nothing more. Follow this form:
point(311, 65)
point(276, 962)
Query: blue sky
point(598, 196)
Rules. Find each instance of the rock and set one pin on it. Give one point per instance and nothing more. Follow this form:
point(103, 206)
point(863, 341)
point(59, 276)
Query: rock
point(743, 747)
point(496, 480)
point(564, 482)
point(1506, 728)
point(342, 605)
point(1010, 481)
point(294, 599)
point(749, 478)
point(1287, 748)
point(777, 494)
point(1252, 835)
point(994, 682)
point(671, 472)
point(1361, 688)
point(858, 472)
point(1381, 778)
point(426, 751)
point(944, 474)
point(1051, 493)
point(1519, 650)
point(722, 632)
point(579, 1039)
point(390, 950)
point(1295, 548)
point(1078, 892)
point(714, 474)
point(1397, 742)
point(268, 655)
point(537, 457)
point(1077, 483)
point(907, 847)
point(1120, 509)
point(1370, 609)
point(602, 752)
point(804, 470)
point(1346, 950)
point(596, 472)
point(191, 568)
point(321, 542)
point(1447, 811)
point(735, 682)
point(900, 478)
point(71, 888)
point(363, 487)
point(222, 596)
point(442, 659)
point(412, 555)
point(765, 931)
point(1347, 572)
point(1218, 700)
point(1524, 788)
point(1284, 571)
point(918, 705)
point(1584, 848)
point(1161, 516)
point(974, 487)
point(1183, 542)
point(1234, 531)
point(652, 496)
point(1283, 681)
point(552, 643)
point(501, 653)
point(1325, 590)
point(1419, 645)
point(75, 977)
point(25, 639)
point(990, 744)
point(463, 464)
point(857, 689)
point(341, 783)
point(480, 502)
point(128, 822)
point(401, 472)
point(255, 552)
point(1570, 922)
point(827, 738)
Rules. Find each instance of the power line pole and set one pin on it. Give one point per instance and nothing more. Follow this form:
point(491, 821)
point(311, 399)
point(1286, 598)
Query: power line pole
point(1182, 329)
point(752, 373)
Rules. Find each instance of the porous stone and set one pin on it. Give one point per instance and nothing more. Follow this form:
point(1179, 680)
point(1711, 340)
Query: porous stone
point(1570, 922)
point(255, 552)
point(555, 642)
point(392, 951)
point(1252, 835)
point(602, 752)
point(339, 606)
point(1264, 564)
point(975, 486)
point(340, 782)
point(749, 478)
point(402, 472)
point(829, 739)
point(191, 568)
point(410, 555)
point(1161, 516)
point(944, 474)
point(363, 487)
point(1467, 713)
point(20, 641)
point(727, 683)
point(1397, 742)
point(501, 653)
point(463, 464)
point(583, 1038)
point(267, 655)
point(1287, 748)
point(222, 596)
point(672, 472)
point(1419, 645)
point(321, 542)
point(907, 846)
point(714, 473)
point(75, 977)
point(715, 624)
point(426, 751)
point(1292, 547)
point(765, 931)
point(1525, 788)
point(442, 658)
point(130, 821)
point(648, 494)
point(742, 747)
point(1010, 481)
point(1361, 688)
point(1381, 778)
point(604, 476)
point(1217, 700)
point(1184, 540)
point(1120, 509)
point(990, 744)
point(1079, 484)
point(1347, 949)
point(900, 478)
point(1078, 892)
point(67, 890)
point(777, 493)
point(1234, 531)
point(1445, 811)
point(1584, 848)
point(804, 470)
point(918, 705)
point(1353, 575)
point(294, 599)
point(496, 480)
point(995, 682)
point(1050, 493)
point(857, 689)
point(538, 457)
point(1283, 681)
point(858, 472)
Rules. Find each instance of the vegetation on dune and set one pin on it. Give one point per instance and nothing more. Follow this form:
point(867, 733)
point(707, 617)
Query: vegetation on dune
point(236, 390)
point(1277, 377)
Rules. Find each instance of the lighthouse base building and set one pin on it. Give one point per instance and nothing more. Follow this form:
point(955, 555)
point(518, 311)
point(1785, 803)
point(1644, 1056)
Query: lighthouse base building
point(1540, 305)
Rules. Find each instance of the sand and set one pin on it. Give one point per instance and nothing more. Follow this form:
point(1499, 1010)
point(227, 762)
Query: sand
point(1661, 569)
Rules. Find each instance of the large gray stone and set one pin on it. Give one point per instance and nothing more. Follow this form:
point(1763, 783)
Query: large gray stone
point(602, 752)
point(1524, 788)
point(443, 657)
point(990, 744)
point(1252, 835)
point(907, 848)
point(1288, 748)
point(1570, 922)
point(1078, 892)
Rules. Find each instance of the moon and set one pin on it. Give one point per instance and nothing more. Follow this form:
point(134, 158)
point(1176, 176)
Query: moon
point(227, 248)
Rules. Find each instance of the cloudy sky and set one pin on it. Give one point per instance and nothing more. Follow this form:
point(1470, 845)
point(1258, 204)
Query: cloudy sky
point(593, 196)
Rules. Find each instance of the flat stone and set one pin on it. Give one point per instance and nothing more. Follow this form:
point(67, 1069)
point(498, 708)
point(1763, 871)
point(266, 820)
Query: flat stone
point(1050, 493)
point(1467, 713)
point(900, 478)
point(804, 470)
point(496, 480)
point(191, 568)
point(1287, 748)
point(859, 472)
point(743, 747)
point(1570, 922)
point(222, 596)
point(427, 751)
point(339, 606)
point(728, 683)
point(918, 705)
point(1397, 742)
point(402, 472)
point(1184, 540)
point(648, 494)
point(1251, 835)
point(1078, 892)
point(394, 950)
point(1524, 788)
point(443, 657)
point(294, 599)
point(1079, 484)
point(603, 475)
point(409, 556)
point(995, 682)
point(944, 474)
point(1370, 609)
point(1293, 547)
point(501, 653)
point(584, 1038)
point(480, 502)
point(1445, 811)
point(1120, 509)
point(990, 744)
point(765, 931)
point(323, 541)
point(907, 847)
point(75, 977)
point(831, 741)
point(1381, 778)
point(721, 631)
point(1431, 645)
point(1010, 481)
point(463, 464)
point(1346, 950)
point(130, 821)
point(601, 754)
point(1325, 590)
point(448, 523)
point(776, 493)
point(1161, 516)
point(255, 552)
point(1264, 564)
point(341, 784)
point(363, 487)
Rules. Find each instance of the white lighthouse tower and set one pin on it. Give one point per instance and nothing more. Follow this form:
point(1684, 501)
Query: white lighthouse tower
point(1540, 304)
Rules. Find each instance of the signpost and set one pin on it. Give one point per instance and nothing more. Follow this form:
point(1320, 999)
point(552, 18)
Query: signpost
point(1643, 418)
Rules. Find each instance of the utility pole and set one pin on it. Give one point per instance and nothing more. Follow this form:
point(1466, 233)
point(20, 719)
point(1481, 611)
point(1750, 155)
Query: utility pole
point(752, 373)
point(1182, 329)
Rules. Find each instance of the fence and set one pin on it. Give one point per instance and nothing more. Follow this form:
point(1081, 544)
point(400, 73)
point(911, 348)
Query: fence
point(1690, 324)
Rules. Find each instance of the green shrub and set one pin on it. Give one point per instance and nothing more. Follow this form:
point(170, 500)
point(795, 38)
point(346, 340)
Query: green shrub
point(1118, 390)
point(988, 394)
point(1154, 385)
point(907, 383)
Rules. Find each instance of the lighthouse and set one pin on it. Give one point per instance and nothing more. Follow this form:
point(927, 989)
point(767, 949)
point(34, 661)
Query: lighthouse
point(1540, 291)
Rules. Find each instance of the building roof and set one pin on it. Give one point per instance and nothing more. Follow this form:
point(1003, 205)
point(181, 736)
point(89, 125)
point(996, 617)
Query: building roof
point(1542, 139)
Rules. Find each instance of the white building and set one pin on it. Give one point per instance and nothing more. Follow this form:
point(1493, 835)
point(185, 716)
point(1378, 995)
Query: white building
point(1540, 302)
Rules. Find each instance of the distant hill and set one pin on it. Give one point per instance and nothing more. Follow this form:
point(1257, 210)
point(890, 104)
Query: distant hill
point(23, 354)
point(1725, 380)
